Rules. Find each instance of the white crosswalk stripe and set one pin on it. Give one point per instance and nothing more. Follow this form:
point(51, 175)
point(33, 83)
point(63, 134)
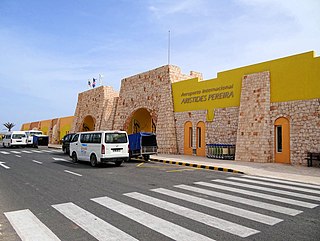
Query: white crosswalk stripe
point(218, 223)
point(261, 218)
point(16, 152)
point(260, 195)
point(58, 150)
point(47, 151)
point(268, 189)
point(246, 201)
point(26, 152)
point(4, 152)
point(300, 189)
point(160, 225)
point(283, 181)
point(29, 227)
point(36, 151)
point(98, 228)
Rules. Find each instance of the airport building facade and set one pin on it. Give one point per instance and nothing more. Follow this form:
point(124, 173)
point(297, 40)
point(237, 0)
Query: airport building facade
point(269, 111)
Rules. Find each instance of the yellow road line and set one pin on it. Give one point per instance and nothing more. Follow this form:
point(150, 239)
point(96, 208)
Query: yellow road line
point(139, 165)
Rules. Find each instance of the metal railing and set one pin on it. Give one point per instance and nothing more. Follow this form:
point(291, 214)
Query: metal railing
point(221, 151)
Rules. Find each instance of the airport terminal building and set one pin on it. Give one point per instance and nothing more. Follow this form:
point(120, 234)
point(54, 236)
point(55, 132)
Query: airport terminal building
point(269, 111)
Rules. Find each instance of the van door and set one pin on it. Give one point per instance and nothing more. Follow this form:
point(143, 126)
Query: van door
point(84, 148)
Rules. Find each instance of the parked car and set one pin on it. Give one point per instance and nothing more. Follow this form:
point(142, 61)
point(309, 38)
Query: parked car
point(66, 142)
point(100, 147)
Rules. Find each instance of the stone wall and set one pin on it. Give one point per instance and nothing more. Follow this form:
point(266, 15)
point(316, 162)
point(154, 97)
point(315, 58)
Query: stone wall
point(181, 118)
point(152, 91)
point(254, 137)
point(97, 103)
point(223, 128)
point(304, 118)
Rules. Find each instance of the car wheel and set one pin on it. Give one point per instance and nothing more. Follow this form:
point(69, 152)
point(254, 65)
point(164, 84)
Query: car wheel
point(118, 163)
point(74, 157)
point(93, 160)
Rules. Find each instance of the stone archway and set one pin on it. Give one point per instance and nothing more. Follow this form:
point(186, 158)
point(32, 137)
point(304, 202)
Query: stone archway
point(88, 124)
point(141, 120)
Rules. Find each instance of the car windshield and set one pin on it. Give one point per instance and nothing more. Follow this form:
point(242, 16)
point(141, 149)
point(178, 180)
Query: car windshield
point(116, 138)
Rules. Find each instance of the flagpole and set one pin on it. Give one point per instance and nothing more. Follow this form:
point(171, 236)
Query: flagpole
point(169, 47)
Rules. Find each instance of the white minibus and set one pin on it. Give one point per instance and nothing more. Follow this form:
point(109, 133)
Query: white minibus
point(15, 138)
point(100, 147)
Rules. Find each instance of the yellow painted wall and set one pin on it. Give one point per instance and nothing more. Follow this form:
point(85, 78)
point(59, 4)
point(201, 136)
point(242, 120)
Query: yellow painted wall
point(295, 77)
point(65, 125)
point(44, 126)
point(25, 127)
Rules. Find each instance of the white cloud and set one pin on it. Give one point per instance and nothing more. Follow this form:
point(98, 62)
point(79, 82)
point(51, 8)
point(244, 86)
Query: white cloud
point(163, 8)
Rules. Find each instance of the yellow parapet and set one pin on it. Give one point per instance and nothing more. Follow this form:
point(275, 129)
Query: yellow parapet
point(291, 78)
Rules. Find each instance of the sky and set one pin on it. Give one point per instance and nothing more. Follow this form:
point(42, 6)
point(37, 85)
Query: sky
point(50, 48)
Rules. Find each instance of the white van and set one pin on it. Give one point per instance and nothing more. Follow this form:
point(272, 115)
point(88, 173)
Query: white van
point(15, 138)
point(100, 147)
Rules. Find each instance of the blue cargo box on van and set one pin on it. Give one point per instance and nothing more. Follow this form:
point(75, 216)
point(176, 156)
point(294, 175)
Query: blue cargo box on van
point(142, 144)
point(40, 140)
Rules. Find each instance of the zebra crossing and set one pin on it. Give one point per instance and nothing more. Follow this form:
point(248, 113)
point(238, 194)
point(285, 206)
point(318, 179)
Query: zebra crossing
point(217, 195)
point(29, 151)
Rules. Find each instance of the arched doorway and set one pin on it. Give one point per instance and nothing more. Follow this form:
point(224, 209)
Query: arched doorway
point(88, 124)
point(282, 140)
point(141, 121)
point(188, 138)
point(201, 139)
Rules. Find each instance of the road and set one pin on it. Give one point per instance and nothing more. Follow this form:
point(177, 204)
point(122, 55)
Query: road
point(43, 196)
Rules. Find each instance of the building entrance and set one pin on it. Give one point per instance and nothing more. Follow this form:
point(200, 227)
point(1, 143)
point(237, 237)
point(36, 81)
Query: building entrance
point(282, 140)
point(141, 121)
point(88, 124)
point(201, 145)
point(188, 138)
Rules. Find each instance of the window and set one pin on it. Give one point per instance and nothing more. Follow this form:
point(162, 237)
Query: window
point(116, 138)
point(96, 138)
point(279, 138)
point(18, 136)
point(190, 137)
point(85, 138)
point(75, 138)
point(199, 137)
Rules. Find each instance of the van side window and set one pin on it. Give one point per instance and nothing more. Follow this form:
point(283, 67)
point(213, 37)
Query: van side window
point(85, 138)
point(96, 138)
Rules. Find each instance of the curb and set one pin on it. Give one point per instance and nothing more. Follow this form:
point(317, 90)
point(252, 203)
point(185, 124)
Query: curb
point(208, 167)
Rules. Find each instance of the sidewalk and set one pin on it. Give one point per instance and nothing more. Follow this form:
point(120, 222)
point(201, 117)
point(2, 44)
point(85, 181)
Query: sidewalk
point(272, 170)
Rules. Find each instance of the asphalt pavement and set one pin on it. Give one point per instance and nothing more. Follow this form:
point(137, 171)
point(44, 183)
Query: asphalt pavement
point(272, 170)
point(44, 196)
